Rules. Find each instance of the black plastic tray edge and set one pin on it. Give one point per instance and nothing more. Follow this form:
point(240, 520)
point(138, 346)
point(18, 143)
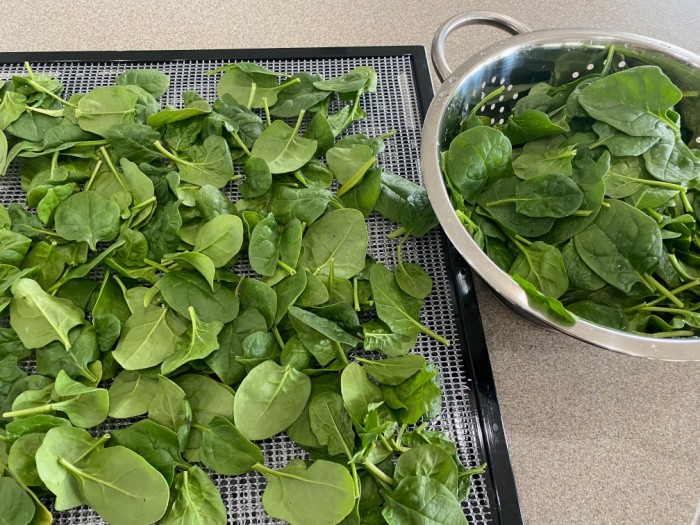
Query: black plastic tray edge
point(475, 353)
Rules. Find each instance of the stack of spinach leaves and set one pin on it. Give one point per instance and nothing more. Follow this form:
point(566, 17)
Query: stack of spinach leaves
point(143, 293)
point(588, 197)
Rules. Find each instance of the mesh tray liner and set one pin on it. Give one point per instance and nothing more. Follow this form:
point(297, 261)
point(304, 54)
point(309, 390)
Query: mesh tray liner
point(395, 105)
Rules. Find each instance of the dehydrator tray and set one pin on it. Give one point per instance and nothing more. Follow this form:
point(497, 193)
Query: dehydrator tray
point(470, 413)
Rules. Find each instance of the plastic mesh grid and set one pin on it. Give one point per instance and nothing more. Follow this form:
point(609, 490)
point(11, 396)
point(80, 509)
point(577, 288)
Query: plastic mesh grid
point(395, 105)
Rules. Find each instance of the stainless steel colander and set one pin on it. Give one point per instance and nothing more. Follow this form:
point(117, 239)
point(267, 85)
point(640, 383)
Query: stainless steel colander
point(517, 63)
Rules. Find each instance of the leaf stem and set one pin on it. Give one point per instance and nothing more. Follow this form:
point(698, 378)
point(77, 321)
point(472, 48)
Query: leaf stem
point(663, 290)
point(397, 446)
point(484, 101)
point(686, 203)
point(98, 165)
point(114, 171)
point(608, 61)
point(240, 142)
point(278, 336)
point(156, 265)
point(427, 331)
point(267, 111)
point(378, 474)
point(30, 411)
point(357, 177)
point(96, 444)
point(673, 333)
point(251, 97)
point(397, 233)
point(286, 267)
point(399, 434)
point(341, 355)
point(355, 294)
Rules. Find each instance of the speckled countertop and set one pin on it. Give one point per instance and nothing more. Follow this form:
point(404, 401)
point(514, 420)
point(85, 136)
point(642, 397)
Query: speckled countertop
point(594, 437)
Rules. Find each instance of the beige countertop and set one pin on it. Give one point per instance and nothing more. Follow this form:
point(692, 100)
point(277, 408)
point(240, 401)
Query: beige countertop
point(594, 437)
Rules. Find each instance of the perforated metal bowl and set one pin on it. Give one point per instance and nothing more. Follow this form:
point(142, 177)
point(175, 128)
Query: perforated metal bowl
point(516, 63)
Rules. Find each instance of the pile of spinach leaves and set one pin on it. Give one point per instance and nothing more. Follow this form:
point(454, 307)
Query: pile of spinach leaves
point(588, 197)
point(143, 293)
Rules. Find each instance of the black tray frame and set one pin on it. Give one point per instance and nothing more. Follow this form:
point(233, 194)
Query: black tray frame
point(505, 505)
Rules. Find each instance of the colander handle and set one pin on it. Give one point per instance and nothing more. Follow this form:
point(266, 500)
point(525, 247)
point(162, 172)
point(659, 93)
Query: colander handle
point(488, 18)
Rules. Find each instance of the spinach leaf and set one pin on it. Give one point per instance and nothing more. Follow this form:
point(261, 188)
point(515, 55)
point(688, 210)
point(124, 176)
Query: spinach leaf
point(170, 408)
point(105, 107)
point(358, 391)
point(197, 343)
point(430, 461)
point(209, 163)
point(63, 445)
point(121, 486)
point(194, 498)
point(263, 248)
point(321, 494)
point(258, 178)
point(207, 399)
point(420, 499)
point(476, 158)
point(395, 370)
point(403, 201)
point(331, 424)
point(180, 290)
point(543, 265)
point(17, 504)
point(269, 399)
point(147, 339)
point(87, 216)
point(533, 124)
point(621, 245)
point(544, 302)
point(282, 148)
point(154, 81)
point(378, 336)
point(131, 393)
point(395, 308)
point(39, 318)
point(637, 101)
point(225, 449)
point(339, 239)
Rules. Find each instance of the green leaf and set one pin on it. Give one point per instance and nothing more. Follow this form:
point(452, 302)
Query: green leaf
point(339, 238)
point(395, 370)
point(195, 499)
point(148, 339)
point(269, 399)
point(263, 248)
point(21, 460)
point(477, 157)
point(542, 265)
point(87, 216)
point(430, 461)
point(258, 179)
point(121, 486)
point(209, 163)
point(105, 107)
point(423, 500)
point(282, 148)
point(180, 290)
point(358, 391)
point(620, 245)
point(18, 507)
point(69, 444)
point(331, 424)
point(39, 318)
point(378, 336)
point(323, 494)
point(170, 408)
point(226, 450)
point(131, 393)
point(197, 343)
point(208, 399)
point(154, 81)
point(13, 247)
point(636, 101)
point(543, 302)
